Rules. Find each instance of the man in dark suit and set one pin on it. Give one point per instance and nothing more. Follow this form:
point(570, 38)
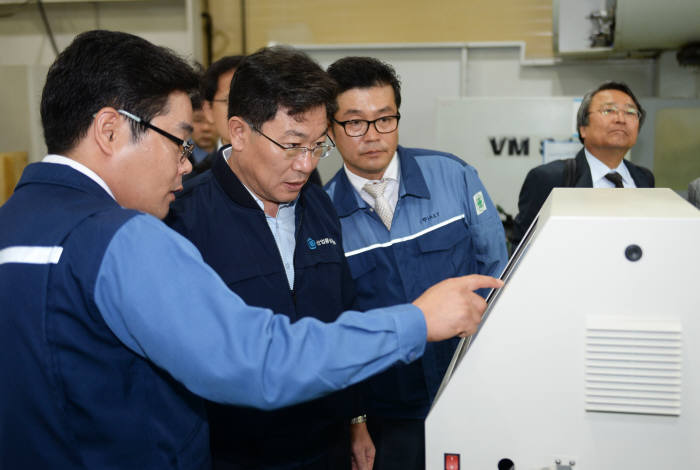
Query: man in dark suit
point(608, 122)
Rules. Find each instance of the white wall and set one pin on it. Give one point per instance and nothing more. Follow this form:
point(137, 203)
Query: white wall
point(27, 52)
point(499, 70)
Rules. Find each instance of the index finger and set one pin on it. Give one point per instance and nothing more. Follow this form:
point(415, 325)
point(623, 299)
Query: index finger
point(479, 281)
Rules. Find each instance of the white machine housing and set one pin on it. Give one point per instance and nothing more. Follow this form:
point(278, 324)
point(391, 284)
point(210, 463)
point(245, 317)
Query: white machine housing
point(585, 359)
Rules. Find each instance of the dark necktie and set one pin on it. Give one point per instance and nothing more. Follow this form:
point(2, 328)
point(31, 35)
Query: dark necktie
point(615, 178)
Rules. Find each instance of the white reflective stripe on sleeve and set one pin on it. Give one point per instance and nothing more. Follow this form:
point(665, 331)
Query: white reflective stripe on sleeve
point(403, 239)
point(31, 254)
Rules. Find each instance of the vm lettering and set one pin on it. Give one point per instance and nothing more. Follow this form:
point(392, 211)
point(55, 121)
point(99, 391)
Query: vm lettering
point(512, 145)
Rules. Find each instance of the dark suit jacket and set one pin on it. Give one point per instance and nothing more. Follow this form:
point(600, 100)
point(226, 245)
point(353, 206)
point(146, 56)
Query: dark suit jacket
point(540, 181)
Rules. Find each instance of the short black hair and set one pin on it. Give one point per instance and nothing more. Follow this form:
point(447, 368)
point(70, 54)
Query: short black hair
point(196, 99)
point(106, 68)
point(582, 119)
point(275, 77)
point(210, 79)
point(364, 72)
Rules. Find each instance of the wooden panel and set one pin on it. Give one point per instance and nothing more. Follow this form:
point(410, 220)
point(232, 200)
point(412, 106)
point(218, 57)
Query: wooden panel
point(677, 147)
point(390, 21)
point(11, 166)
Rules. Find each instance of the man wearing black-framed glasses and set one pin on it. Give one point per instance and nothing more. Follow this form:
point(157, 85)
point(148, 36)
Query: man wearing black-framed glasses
point(608, 122)
point(410, 217)
point(186, 146)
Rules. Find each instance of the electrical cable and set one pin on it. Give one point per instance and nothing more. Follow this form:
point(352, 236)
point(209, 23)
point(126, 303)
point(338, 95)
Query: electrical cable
point(208, 37)
point(49, 33)
point(244, 46)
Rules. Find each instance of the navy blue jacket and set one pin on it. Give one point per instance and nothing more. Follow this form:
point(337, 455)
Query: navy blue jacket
point(224, 222)
point(99, 404)
point(444, 225)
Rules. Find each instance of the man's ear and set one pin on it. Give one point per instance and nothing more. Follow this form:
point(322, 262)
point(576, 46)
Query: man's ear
point(107, 127)
point(239, 133)
point(582, 132)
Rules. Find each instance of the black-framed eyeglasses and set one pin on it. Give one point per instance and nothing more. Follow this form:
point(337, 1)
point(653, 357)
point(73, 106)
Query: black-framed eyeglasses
point(359, 127)
point(612, 110)
point(186, 146)
point(292, 152)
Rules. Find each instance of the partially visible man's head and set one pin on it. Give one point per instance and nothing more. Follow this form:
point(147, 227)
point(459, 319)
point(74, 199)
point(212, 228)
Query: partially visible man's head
point(93, 81)
point(609, 117)
point(279, 97)
point(366, 114)
point(106, 68)
point(278, 77)
point(204, 132)
point(216, 82)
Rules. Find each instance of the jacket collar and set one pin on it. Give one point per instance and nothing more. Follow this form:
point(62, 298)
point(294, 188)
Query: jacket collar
point(583, 171)
point(411, 183)
point(62, 175)
point(233, 187)
point(230, 183)
point(584, 179)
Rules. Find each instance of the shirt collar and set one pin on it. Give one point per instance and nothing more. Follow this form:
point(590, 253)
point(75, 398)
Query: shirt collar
point(79, 167)
point(391, 173)
point(600, 169)
point(226, 154)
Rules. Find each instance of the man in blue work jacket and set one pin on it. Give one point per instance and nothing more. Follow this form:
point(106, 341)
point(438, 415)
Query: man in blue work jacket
point(411, 218)
point(276, 242)
point(111, 325)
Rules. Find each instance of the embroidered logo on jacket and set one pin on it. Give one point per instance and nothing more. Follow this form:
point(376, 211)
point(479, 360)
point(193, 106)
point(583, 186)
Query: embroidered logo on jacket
point(313, 244)
point(429, 217)
point(479, 203)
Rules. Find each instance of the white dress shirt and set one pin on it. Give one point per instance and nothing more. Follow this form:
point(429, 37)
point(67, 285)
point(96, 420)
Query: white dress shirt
point(391, 175)
point(600, 169)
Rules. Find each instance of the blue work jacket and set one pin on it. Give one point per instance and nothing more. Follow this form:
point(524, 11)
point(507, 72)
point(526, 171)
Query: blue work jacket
point(444, 225)
point(71, 395)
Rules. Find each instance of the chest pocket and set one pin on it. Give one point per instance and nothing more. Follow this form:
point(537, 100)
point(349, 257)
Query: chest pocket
point(363, 270)
point(321, 254)
point(361, 264)
point(445, 252)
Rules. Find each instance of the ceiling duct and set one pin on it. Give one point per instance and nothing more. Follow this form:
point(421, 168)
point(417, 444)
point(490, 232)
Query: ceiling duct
point(594, 28)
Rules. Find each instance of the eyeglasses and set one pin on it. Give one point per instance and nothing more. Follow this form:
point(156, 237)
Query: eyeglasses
point(359, 127)
point(186, 146)
point(611, 110)
point(292, 152)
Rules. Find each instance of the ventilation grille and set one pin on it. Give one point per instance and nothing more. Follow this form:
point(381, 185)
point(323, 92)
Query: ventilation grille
point(633, 366)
